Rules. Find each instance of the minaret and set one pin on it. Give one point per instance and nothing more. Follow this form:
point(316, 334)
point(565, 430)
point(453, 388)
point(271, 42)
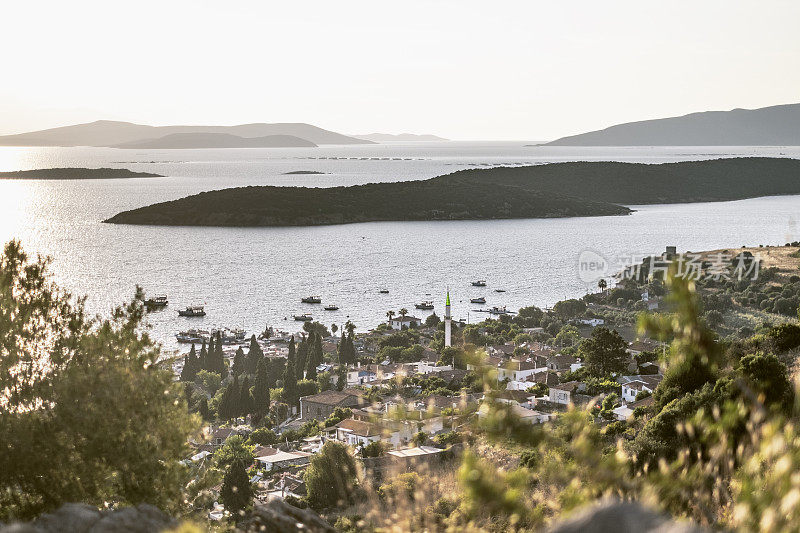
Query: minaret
point(447, 339)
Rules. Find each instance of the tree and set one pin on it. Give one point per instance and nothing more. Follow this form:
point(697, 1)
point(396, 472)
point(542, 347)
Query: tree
point(331, 477)
point(189, 370)
point(263, 437)
point(433, 320)
point(78, 394)
point(315, 356)
point(261, 390)
point(290, 377)
point(341, 377)
point(604, 353)
point(390, 315)
point(229, 403)
point(202, 363)
point(235, 449)
point(567, 309)
point(602, 285)
point(403, 312)
point(254, 355)
point(334, 328)
point(245, 398)
point(203, 410)
point(568, 336)
point(302, 358)
point(238, 362)
point(236, 493)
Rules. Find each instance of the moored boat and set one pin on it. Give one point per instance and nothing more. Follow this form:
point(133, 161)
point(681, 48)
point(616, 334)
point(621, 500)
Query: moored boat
point(193, 310)
point(427, 305)
point(499, 290)
point(479, 283)
point(331, 307)
point(480, 300)
point(384, 291)
point(305, 317)
point(156, 301)
point(311, 300)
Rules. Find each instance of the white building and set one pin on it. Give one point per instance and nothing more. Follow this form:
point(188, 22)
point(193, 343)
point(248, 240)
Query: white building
point(400, 322)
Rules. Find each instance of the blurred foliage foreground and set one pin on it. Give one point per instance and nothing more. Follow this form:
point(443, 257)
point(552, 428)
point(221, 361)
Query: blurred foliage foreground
point(87, 415)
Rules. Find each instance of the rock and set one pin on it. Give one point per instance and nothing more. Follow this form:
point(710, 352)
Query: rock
point(83, 518)
point(622, 517)
point(277, 516)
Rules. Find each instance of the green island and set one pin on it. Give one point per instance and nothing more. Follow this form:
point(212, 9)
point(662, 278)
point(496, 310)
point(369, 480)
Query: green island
point(76, 174)
point(539, 191)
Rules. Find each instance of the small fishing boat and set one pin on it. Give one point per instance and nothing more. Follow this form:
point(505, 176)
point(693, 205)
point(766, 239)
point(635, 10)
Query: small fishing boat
point(479, 283)
point(232, 336)
point(499, 290)
point(192, 336)
point(193, 310)
point(480, 300)
point(384, 291)
point(500, 311)
point(311, 300)
point(331, 307)
point(427, 305)
point(305, 317)
point(156, 301)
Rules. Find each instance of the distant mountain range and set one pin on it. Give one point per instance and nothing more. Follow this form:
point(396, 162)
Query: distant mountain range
point(217, 140)
point(126, 134)
point(768, 126)
point(388, 137)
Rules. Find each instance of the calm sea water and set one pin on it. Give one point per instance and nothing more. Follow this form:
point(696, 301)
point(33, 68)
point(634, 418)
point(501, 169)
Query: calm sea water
point(250, 277)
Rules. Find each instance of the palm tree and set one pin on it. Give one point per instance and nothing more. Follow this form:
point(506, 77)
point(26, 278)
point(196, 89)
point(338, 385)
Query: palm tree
point(349, 327)
point(403, 312)
point(602, 285)
point(334, 328)
point(390, 314)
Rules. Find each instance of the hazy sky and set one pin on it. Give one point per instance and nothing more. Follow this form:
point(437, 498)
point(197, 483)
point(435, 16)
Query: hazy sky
point(532, 70)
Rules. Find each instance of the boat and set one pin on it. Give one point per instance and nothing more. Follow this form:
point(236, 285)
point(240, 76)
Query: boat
point(480, 300)
point(192, 336)
point(499, 290)
point(331, 307)
point(156, 301)
point(305, 317)
point(384, 291)
point(193, 310)
point(232, 336)
point(479, 283)
point(500, 311)
point(311, 300)
point(427, 305)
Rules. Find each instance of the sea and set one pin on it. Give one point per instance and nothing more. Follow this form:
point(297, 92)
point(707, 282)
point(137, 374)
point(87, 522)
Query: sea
point(252, 278)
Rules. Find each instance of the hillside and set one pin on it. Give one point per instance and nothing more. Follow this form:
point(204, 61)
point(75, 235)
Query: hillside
point(442, 198)
point(112, 133)
point(76, 174)
point(218, 140)
point(666, 183)
point(768, 126)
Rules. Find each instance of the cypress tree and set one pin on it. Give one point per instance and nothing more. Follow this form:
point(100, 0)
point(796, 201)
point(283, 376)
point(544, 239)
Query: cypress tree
point(190, 366)
point(236, 493)
point(226, 402)
point(302, 356)
point(238, 362)
point(290, 376)
point(217, 357)
point(245, 400)
point(315, 356)
point(203, 409)
point(203, 359)
point(342, 375)
point(254, 355)
point(261, 390)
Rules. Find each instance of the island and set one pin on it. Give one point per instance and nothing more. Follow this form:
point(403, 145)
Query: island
point(74, 173)
point(539, 191)
point(217, 140)
point(302, 172)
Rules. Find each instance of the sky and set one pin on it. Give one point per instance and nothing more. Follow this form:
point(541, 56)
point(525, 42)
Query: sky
point(465, 70)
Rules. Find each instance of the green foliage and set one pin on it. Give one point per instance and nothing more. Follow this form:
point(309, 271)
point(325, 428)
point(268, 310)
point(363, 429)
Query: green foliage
point(86, 414)
point(339, 414)
point(262, 437)
point(236, 493)
point(566, 309)
point(209, 381)
point(235, 449)
point(401, 487)
point(331, 479)
point(374, 449)
point(604, 353)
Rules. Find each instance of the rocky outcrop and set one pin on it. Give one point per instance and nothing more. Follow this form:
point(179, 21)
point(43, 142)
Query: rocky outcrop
point(83, 518)
point(279, 517)
point(622, 517)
